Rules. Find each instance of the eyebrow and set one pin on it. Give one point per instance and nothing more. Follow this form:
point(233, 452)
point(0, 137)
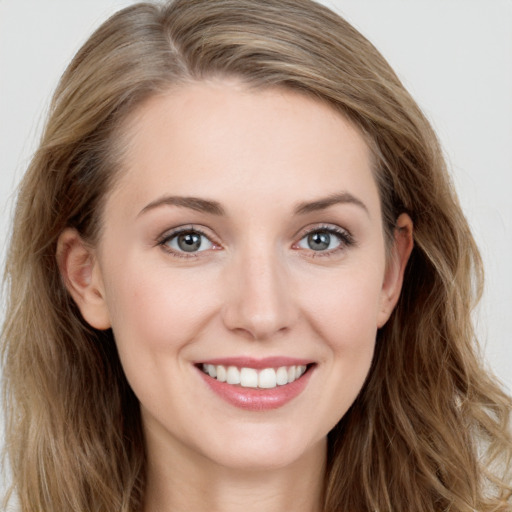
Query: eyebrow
point(214, 208)
point(324, 203)
point(194, 203)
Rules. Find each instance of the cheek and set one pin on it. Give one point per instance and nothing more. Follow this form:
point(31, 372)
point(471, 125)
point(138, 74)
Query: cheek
point(344, 315)
point(345, 309)
point(156, 310)
point(157, 316)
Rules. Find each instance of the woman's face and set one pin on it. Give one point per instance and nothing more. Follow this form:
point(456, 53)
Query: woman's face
point(244, 238)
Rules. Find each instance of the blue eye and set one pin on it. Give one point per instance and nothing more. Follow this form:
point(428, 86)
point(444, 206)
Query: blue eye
point(188, 241)
point(324, 240)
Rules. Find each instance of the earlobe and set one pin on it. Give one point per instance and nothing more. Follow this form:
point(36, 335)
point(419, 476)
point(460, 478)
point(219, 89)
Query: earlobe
point(82, 278)
point(400, 252)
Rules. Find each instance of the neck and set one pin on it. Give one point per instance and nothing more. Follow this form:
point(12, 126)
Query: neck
point(182, 483)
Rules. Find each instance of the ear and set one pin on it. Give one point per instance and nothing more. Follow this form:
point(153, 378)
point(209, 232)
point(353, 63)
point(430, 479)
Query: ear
point(395, 268)
point(82, 276)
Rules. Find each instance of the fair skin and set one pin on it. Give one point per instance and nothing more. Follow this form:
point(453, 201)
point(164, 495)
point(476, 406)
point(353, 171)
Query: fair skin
point(281, 255)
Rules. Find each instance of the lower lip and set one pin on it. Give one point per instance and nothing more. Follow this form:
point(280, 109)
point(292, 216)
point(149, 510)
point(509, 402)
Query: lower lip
point(257, 399)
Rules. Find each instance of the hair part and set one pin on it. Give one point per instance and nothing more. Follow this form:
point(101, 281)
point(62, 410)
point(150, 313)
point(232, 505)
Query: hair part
point(430, 428)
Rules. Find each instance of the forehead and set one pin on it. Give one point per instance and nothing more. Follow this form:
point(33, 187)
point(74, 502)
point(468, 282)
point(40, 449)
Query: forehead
point(209, 138)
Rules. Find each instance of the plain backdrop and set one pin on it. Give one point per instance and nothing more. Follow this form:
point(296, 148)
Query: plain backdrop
point(455, 56)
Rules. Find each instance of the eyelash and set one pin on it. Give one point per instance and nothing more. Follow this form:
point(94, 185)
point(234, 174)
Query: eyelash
point(168, 236)
point(345, 238)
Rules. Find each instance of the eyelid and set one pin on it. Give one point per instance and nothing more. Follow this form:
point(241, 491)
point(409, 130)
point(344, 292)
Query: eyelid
point(344, 235)
point(169, 234)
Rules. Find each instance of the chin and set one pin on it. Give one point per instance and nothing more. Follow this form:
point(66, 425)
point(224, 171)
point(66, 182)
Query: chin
point(260, 449)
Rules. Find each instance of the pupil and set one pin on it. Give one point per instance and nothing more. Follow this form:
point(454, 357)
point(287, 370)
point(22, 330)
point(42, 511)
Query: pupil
point(189, 242)
point(319, 241)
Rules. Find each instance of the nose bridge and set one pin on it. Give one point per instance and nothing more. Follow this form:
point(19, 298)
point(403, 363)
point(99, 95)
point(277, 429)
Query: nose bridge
point(259, 296)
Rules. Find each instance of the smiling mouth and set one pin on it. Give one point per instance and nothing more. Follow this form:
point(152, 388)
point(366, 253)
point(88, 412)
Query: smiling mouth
point(265, 378)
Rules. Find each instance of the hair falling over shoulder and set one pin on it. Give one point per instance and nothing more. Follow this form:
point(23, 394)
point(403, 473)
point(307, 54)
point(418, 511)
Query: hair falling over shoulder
point(430, 429)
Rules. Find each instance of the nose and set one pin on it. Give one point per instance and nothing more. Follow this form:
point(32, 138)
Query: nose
point(259, 296)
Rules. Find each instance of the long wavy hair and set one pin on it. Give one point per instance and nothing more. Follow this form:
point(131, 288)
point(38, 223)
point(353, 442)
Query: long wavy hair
point(429, 431)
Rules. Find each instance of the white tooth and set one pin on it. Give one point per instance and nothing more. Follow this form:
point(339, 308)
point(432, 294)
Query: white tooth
point(301, 371)
point(292, 374)
point(267, 378)
point(282, 376)
point(212, 371)
point(205, 368)
point(221, 373)
point(233, 375)
point(249, 378)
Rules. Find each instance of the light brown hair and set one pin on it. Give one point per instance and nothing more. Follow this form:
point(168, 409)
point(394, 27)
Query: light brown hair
point(429, 430)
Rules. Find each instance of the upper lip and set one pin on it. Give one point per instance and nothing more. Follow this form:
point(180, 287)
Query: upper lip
point(258, 363)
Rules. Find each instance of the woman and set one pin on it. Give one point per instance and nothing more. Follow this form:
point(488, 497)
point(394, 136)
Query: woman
point(239, 277)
